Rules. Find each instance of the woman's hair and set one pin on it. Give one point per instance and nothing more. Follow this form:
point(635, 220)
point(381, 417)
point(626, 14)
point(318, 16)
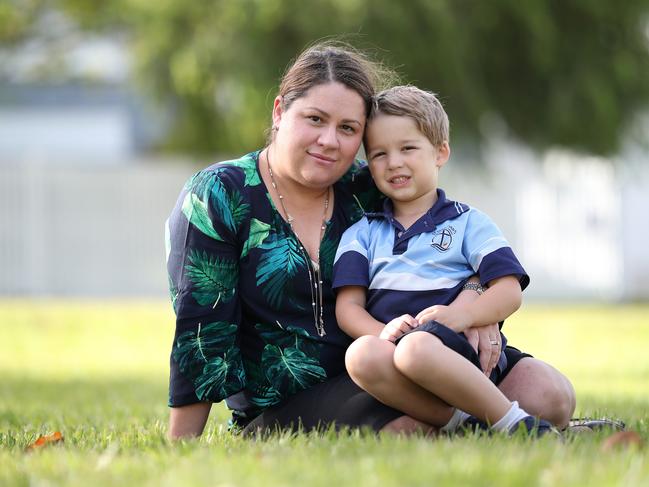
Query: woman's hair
point(421, 106)
point(334, 61)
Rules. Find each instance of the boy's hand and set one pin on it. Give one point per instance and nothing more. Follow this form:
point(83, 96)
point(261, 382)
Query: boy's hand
point(397, 327)
point(456, 318)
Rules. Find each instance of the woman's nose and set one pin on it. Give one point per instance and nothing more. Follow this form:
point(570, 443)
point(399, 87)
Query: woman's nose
point(328, 136)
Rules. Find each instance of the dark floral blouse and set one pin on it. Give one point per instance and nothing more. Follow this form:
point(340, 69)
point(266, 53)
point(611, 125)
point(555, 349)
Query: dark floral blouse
point(240, 289)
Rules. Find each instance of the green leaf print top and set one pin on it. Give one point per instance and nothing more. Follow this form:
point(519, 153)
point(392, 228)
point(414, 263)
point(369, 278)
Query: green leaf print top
point(240, 289)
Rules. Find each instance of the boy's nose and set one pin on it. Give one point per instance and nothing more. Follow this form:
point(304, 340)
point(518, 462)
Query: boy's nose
point(394, 161)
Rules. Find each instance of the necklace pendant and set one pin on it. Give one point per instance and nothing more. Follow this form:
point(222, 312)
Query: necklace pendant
point(313, 268)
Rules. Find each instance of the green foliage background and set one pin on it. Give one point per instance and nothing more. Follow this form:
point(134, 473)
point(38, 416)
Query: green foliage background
point(553, 72)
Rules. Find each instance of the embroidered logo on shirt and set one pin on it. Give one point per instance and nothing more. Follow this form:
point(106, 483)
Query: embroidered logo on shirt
point(442, 239)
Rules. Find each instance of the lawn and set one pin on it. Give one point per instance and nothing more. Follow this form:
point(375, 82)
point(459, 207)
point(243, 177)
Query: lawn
point(97, 371)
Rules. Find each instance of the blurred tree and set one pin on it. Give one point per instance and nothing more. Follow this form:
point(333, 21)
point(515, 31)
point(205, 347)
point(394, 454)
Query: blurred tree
point(553, 72)
point(16, 19)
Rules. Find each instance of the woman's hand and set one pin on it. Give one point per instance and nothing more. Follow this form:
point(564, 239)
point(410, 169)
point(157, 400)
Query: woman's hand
point(486, 341)
point(397, 327)
point(456, 318)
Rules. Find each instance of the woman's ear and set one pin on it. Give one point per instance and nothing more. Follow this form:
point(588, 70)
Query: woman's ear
point(443, 153)
point(277, 111)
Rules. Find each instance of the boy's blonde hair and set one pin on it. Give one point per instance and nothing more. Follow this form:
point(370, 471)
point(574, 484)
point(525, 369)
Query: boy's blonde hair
point(422, 106)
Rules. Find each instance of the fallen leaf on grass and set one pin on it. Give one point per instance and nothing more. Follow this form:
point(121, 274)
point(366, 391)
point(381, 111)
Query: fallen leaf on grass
point(622, 439)
point(45, 440)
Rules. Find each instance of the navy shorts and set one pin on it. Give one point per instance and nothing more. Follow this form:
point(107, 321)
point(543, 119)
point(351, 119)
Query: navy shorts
point(457, 342)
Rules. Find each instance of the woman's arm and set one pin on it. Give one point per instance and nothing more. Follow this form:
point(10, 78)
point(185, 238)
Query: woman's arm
point(354, 319)
point(188, 421)
point(202, 263)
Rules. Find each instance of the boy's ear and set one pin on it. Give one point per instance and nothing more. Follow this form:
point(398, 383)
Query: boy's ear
point(443, 153)
point(277, 111)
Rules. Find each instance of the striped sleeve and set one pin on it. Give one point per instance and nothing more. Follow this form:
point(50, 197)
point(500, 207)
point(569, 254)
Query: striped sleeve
point(351, 264)
point(488, 251)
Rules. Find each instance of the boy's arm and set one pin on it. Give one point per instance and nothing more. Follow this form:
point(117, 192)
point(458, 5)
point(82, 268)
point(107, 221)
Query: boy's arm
point(500, 300)
point(354, 319)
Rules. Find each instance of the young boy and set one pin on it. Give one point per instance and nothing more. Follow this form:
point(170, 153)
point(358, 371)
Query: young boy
point(396, 272)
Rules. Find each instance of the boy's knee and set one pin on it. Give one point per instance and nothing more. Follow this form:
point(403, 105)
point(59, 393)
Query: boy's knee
point(413, 351)
point(365, 358)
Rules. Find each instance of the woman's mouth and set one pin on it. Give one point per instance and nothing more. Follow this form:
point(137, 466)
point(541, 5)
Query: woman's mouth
point(322, 158)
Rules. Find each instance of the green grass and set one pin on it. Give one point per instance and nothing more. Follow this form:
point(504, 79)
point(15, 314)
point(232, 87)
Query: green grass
point(97, 372)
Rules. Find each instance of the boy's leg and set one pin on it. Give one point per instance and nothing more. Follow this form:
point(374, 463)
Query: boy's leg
point(370, 363)
point(426, 361)
point(541, 390)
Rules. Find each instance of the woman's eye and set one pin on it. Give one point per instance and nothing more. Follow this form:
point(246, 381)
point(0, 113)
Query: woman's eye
point(348, 129)
point(314, 118)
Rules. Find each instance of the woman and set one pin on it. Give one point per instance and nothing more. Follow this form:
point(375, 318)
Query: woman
point(251, 245)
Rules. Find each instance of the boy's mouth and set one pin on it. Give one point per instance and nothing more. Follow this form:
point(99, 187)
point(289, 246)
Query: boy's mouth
point(398, 179)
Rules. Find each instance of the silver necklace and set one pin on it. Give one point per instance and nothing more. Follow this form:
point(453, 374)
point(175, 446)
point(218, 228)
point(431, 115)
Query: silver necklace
point(313, 268)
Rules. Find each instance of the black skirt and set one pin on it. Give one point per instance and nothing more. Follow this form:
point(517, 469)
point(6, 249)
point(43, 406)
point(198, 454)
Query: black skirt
point(336, 403)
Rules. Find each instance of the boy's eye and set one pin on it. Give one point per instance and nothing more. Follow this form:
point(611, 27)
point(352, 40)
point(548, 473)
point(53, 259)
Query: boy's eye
point(409, 147)
point(374, 155)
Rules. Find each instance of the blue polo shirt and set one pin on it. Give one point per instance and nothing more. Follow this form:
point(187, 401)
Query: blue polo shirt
point(406, 271)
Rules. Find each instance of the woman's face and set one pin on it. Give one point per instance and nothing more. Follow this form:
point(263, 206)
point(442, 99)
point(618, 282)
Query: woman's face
point(318, 135)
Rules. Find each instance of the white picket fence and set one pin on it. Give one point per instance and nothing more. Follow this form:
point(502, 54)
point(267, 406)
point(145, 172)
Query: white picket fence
point(578, 225)
point(85, 231)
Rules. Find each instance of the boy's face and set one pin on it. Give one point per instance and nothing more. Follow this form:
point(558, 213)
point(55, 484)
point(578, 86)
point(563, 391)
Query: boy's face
point(403, 162)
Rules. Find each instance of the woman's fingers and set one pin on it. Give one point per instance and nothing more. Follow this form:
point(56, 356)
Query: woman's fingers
point(486, 350)
point(472, 337)
point(495, 340)
point(495, 355)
